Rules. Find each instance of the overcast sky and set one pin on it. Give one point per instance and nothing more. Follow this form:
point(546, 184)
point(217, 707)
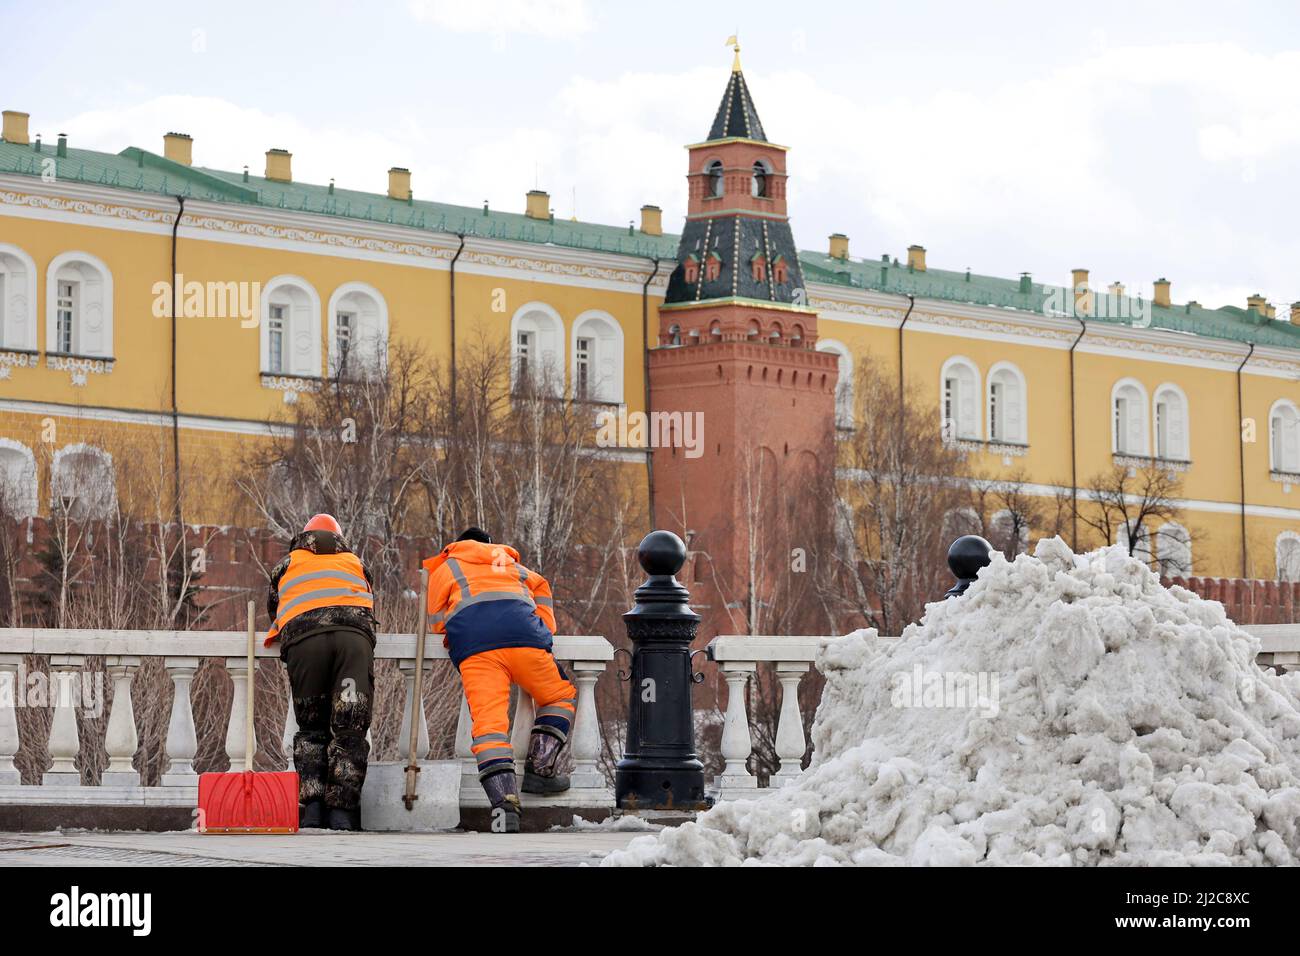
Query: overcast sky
point(1135, 139)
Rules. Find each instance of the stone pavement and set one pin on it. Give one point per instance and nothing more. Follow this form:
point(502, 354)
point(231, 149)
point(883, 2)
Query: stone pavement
point(310, 848)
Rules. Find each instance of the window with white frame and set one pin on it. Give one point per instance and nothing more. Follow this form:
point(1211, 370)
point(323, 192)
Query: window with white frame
point(1007, 405)
point(844, 384)
point(959, 400)
point(17, 299)
point(537, 343)
point(1128, 418)
point(1170, 414)
point(82, 483)
point(1174, 551)
point(291, 331)
point(1284, 437)
point(358, 330)
point(17, 480)
point(1288, 556)
point(79, 297)
point(597, 363)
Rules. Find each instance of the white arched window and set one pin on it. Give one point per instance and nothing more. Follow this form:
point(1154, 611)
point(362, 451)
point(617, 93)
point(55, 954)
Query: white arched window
point(1284, 437)
point(17, 300)
point(290, 328)
point(79, 306)
point(537, 349)
point(357, 330)
point(17, 480)
point(715, 180)
point(761, 181)
point(959, 402)
point(844, 384)
point(1170, 415)
point(1174, 551)
point(1008, 405)
point(81, 482)
point(597, 360)
point(1288, 556)
point(1128, 419)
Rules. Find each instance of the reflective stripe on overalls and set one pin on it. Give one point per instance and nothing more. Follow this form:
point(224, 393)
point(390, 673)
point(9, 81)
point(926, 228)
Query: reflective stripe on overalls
point(466, 599)
point(314, 581)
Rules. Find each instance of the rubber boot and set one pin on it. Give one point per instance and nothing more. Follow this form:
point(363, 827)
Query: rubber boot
point(311, 815)
point(540, 770)
point(501, 794)
point(344, 819)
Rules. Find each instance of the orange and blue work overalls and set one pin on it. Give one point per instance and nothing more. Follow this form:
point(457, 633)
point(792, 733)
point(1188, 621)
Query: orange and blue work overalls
point(497, 619)
point(314, 581)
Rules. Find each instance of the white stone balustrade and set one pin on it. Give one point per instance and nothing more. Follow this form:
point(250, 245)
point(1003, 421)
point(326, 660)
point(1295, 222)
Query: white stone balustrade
point(584, 658)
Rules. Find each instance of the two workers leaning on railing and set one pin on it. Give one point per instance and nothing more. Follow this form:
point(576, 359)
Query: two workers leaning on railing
point(497, 619)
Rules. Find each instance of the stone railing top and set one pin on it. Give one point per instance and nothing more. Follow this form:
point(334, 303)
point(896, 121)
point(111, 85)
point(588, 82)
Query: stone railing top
point(1275, 638)
point(758, 647)
point(75, 642)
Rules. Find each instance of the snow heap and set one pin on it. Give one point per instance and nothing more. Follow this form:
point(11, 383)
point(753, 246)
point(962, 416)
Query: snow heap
point(1107, 719)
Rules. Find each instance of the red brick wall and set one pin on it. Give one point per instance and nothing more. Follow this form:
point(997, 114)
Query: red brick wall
point(1249, 601)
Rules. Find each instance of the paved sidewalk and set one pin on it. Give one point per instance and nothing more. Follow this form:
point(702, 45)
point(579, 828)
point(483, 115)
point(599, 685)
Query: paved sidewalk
point(310, 848)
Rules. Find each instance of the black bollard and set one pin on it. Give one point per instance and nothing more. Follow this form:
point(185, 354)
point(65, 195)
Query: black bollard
point(966, 556)
point(660, 769)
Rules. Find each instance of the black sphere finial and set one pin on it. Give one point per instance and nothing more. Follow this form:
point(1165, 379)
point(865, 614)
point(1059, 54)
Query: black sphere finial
point(966, 556)
point(661, 553)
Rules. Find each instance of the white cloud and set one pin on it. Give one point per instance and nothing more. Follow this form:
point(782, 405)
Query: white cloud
point(1134, 161)
point(553, 19)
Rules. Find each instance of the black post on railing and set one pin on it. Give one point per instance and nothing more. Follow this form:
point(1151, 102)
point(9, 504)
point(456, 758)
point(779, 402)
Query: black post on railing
point(966, 556)
point(660, 769)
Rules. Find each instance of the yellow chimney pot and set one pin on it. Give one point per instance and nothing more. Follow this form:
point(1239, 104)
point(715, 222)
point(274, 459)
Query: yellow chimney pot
point(1082, 294)
point(399, 183)
point(539, 204)
point(652, 220)
point(916, 258)
point(279, 165)
point(179, 148)
point(839, 246)
point(1161, 292)
point(15, 127)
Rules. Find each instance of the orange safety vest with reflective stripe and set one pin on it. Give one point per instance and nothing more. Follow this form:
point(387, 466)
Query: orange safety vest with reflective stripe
point(314, 581)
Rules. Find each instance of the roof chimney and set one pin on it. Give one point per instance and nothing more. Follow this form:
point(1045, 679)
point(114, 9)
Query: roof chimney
point(1161, 289)
point(399, 184)
point(916, 258)
point(1295, 313)
point(179, 148)
point(1258, 304)
point(1116, 289)
point(279, 165)
point(1082, 296)
point(652, 220)
point(839, 246)
point(539, 204)
point(15, 127)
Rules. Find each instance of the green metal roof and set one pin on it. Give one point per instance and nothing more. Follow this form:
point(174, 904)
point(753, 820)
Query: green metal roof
point(886, 275)
point(146, 172)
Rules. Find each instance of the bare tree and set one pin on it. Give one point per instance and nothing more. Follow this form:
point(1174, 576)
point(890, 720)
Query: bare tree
point(898, 481)
point(1128, 503)
point(1005, 512)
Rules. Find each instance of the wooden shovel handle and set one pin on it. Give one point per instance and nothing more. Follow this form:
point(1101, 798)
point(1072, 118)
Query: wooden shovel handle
point(249, 737)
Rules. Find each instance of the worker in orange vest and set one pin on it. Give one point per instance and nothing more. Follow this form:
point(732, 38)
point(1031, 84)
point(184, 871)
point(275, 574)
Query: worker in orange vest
point(497, 619)
point(321, 604)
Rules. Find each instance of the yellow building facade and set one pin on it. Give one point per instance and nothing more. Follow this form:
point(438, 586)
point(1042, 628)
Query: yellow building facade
point(281, 279)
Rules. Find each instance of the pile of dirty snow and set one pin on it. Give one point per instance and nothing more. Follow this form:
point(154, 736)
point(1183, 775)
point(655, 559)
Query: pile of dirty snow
point(1066, 710)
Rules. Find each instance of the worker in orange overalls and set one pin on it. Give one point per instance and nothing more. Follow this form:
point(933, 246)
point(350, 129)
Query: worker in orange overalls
point(321, 604)
point(498, 618)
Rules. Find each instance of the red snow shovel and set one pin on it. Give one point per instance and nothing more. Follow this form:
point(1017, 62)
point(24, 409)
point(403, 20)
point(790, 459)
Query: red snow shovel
point(248, 802)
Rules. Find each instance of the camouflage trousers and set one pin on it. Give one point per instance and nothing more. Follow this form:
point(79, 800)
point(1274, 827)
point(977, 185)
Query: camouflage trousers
point(331, 675)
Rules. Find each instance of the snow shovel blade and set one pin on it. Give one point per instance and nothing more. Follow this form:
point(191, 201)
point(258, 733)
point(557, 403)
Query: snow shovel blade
point(248, 802)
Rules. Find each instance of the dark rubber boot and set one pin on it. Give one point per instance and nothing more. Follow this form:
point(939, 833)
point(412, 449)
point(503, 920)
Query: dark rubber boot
point(540, 774)
point(344, 819)
point(501, 794)
point(311, 816)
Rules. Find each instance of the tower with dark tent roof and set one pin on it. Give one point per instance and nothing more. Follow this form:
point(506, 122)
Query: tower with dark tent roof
point(737, 340)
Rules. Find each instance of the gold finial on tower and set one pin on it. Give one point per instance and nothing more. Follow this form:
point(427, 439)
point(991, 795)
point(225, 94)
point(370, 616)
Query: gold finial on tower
point(734, 43)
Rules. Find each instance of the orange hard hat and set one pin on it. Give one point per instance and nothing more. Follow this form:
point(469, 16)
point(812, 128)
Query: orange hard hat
point(322, 522)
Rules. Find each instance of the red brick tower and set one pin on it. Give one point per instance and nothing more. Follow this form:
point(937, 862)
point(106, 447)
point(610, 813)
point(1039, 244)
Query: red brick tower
point(736, 344)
